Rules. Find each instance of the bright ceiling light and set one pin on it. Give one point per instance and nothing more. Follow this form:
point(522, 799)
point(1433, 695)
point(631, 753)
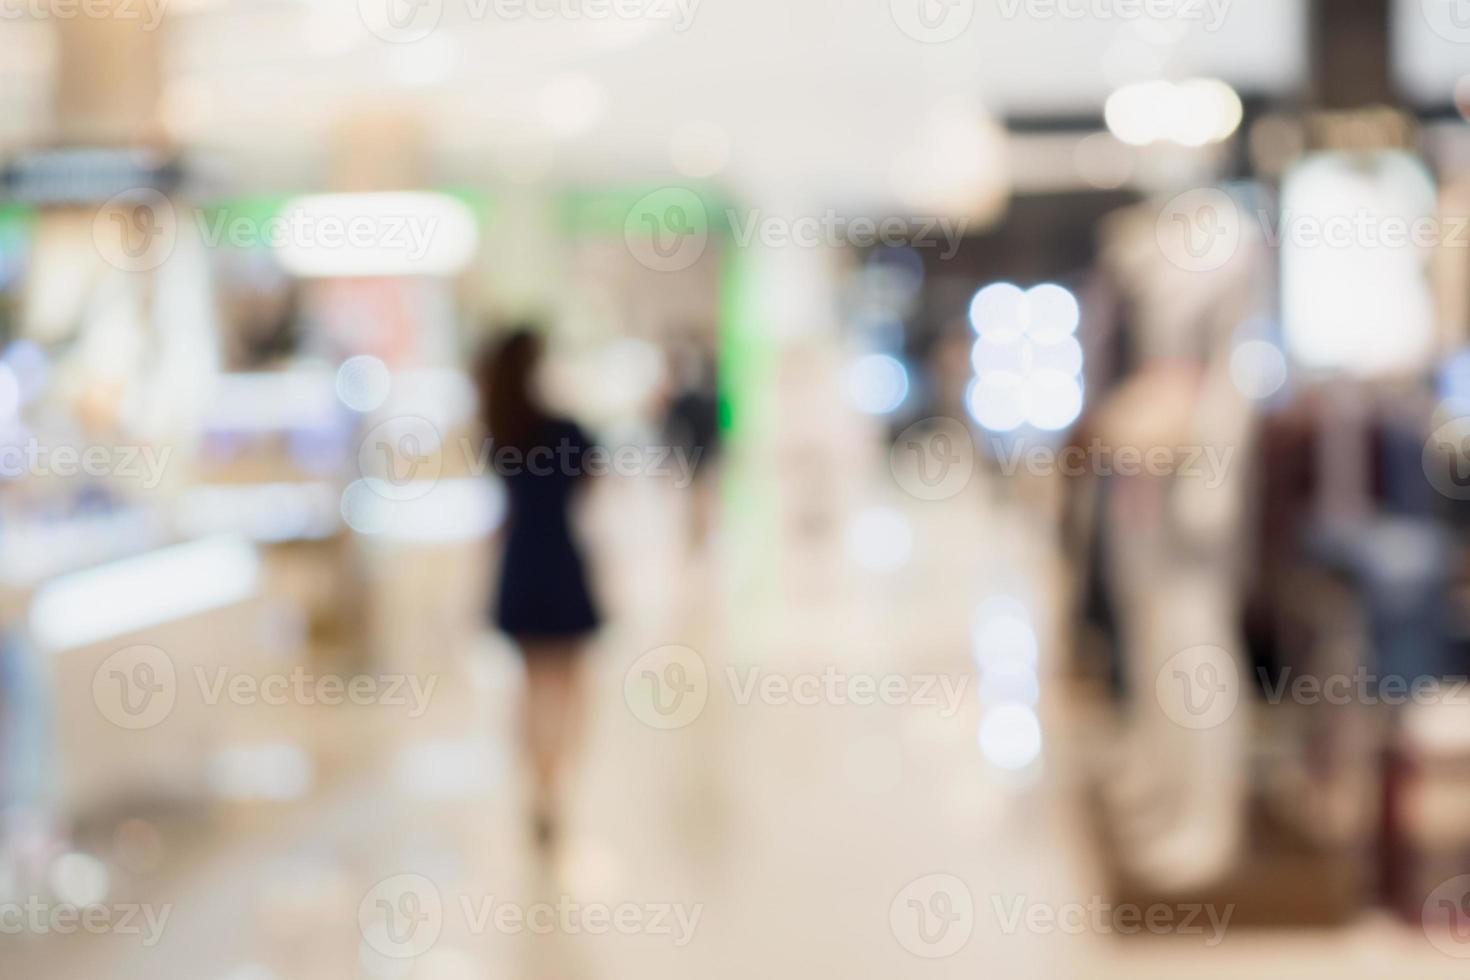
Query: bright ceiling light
point(572, 104)
point(1009, 683)
point(1352, 261)
point(363, 383)
point(1190, 113)
point(1010, 736)
point(998, 401)
point(877, 384)
point(1056, 400)
point(1129, 112)
point(1258, 369)
point(1002, 638)
point(392, 234)
point(1028, 364)
point(1052, 312)
point(956, 164)
point(998, 309)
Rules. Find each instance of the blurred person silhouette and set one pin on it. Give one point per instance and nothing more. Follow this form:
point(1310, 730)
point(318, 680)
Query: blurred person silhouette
point(543, 600)
point(692, 425)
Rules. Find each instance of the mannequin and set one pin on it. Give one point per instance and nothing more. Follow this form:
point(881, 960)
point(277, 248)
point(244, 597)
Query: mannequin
point(1178, 800)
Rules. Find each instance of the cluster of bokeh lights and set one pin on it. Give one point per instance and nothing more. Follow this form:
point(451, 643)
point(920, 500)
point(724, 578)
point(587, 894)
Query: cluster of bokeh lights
point(1007, 652)
point(1027, 361)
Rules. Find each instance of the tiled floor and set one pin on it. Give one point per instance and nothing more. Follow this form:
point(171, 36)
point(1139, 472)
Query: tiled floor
point(764, 838)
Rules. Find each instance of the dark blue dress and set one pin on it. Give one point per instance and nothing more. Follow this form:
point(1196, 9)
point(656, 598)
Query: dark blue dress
point(543, 580)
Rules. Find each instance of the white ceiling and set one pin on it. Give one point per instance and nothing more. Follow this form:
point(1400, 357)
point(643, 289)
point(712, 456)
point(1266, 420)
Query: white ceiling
point(815, 95)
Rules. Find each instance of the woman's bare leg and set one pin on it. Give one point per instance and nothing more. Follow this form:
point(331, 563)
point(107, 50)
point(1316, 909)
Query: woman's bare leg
point(552, 720)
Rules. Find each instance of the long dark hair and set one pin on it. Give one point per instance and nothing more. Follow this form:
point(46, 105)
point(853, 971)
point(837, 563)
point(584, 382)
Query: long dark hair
point(504, 372)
